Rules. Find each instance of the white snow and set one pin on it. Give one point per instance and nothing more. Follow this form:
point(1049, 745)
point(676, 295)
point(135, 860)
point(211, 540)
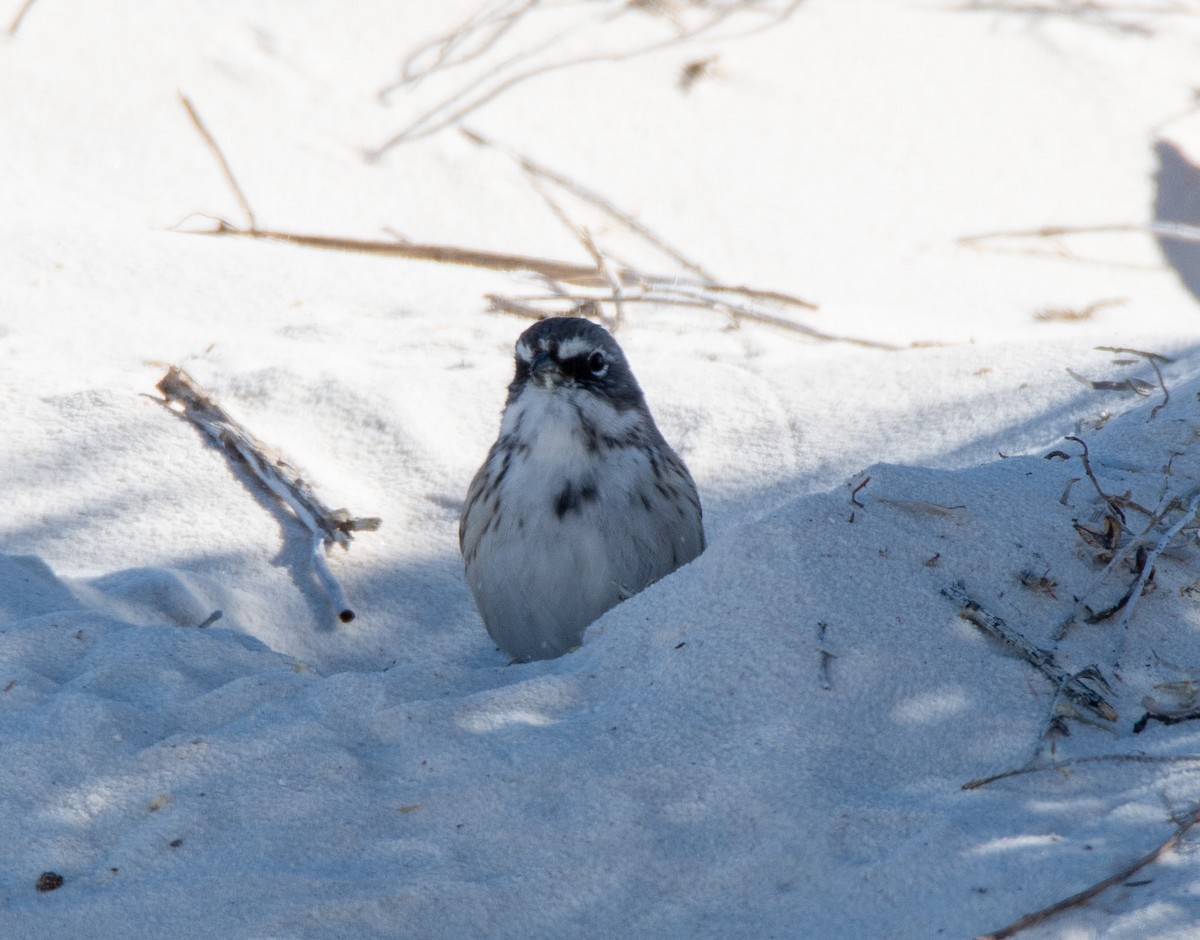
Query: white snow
point(771, 742)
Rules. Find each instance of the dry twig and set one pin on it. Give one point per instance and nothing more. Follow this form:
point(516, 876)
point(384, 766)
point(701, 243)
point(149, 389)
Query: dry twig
point(507, 74)
point(1182, 826)
point(327, 526)
point(16, 21)
point(1037, 767)
point(1085, 458)
point(1171, 231)
point(1071, 686)
point(1135, 545)
point(225, 167)
point(1154, 359)
point(540, 171)
point(621, 285)
point(1072, 315)
point(1147, 565)
point(666, 290)
point(492, 24)
point(1140, 561)
point(1166, 716)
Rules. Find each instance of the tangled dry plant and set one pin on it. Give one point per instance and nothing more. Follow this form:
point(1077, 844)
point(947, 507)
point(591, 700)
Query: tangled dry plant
point(532, 32)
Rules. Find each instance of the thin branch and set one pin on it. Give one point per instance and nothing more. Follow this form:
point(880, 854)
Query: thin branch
point(1082, 897)
point(328, 526)
point(677, 291)
point(445, 114)
point(445, 254)
point(1166, 716)
point(779, 297)
point(1154, 359)
point(498, 303)
point(225, 168)
point(1102, 15)
point(497, 24)
point(1072, 686)
point(1119, 555)
point(16, 23)
point(703, 298)
point(1033, 767)
point(1129, 350)
point(1147, 567)
point(1171, 231)
point(1135, 385)
point(603, 267)
point(538, 170)
point(1067, 314)
point(1140, 560)
point(529, 52)
point(1085, 459)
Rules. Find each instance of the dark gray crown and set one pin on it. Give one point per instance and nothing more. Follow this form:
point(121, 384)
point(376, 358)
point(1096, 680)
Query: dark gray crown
point(582, 350)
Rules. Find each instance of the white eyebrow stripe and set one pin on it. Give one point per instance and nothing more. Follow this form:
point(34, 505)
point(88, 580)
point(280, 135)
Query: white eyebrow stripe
point(575, 346)
point(524, 353)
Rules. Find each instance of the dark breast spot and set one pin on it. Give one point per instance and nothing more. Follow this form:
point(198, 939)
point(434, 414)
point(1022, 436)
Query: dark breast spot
point(572, 497)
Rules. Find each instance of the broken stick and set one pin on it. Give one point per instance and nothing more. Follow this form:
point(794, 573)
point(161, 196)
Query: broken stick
point(1182, 827)
point(1070, 686)
point(327, 526)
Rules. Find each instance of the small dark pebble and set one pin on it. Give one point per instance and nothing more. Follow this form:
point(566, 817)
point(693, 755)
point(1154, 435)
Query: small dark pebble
point(49, 881)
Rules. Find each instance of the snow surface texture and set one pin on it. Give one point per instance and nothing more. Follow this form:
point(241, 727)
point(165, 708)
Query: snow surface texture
point(772, 742)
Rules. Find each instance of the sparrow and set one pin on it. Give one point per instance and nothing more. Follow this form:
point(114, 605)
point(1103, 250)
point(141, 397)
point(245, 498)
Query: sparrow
point(581, 502)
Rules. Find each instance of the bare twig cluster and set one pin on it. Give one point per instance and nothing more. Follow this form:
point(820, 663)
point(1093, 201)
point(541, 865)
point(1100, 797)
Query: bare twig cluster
point(1132, 384)
point(1128, 19)
point(533, 43)
point(1075, 687)
point(567, 287)
point(1139, 550)
point(326, 526)
point(612, 284)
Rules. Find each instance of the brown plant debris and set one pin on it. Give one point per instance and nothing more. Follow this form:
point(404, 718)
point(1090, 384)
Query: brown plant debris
point(1072, 687)
point(696, 70)
point(536, 56)
point(1076, 314)
point(1114, 503)
point(1140, 561)
point(49, 881)
point(184, 396)
point(566, 282)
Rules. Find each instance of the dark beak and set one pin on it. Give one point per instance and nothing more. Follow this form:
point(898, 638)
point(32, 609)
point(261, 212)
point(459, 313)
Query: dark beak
point(544, 370)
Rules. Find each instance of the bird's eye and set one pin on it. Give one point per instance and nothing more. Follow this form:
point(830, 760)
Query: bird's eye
point(597, 363)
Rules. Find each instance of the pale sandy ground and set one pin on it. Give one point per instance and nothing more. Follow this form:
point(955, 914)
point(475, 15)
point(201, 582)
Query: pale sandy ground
point(693, 770)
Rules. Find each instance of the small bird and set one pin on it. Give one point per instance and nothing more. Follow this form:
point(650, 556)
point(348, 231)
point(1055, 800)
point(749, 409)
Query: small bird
point(581, 503)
